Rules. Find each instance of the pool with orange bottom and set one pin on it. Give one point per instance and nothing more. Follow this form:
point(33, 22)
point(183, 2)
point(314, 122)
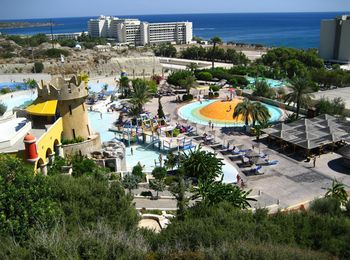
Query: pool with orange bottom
point(221, 111)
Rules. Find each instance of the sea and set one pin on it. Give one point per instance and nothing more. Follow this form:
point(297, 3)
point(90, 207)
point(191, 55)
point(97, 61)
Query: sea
point(297, 30)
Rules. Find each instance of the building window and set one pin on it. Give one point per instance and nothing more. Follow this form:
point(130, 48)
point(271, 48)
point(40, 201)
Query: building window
point(73, 130)
point(70, 109)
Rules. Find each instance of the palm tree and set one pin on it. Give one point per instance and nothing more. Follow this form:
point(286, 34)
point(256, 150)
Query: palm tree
point(215, 40)
point(178, 190)
point(300, 93)
point(124, 85)
point(256, 112)
point(338, 192)
point(83, 77)
point(244, 109)
point(188, 83)
point(260, 113)
point(202, 164)
point(140, 94)
point(130, 182)
point(192, 66)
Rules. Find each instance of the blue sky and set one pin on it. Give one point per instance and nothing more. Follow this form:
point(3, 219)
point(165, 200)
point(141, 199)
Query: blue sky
point(17, 9)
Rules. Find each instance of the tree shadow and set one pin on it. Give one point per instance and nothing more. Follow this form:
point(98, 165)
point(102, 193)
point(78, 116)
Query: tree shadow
point(338, 166)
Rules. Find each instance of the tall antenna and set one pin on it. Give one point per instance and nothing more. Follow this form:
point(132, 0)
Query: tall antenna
point(51, 34)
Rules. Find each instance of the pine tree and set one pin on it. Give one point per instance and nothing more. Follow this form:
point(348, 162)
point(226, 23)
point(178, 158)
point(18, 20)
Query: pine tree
point(160, 109)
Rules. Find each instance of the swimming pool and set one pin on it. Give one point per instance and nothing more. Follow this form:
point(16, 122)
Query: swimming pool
point(148, 157)
point(97, 87)
point(190, 112)
point(14, 85)
point(18, 99)
point(102, 125)
point(271, 82)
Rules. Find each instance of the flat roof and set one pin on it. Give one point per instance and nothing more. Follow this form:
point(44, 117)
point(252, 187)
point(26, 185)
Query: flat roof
point(312, 133)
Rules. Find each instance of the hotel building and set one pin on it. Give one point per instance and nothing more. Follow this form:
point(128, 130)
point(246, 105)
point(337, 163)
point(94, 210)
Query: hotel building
point(137, 33)
point(335, 39)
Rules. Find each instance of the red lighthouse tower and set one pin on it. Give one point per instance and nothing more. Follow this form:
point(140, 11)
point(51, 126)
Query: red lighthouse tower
point(30, 148)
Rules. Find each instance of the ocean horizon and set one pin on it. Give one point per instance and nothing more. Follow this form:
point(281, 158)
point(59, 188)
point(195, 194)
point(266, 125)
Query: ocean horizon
point(297, 30)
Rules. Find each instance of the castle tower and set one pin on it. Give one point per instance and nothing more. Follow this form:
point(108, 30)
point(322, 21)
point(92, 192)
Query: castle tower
point(70, 96)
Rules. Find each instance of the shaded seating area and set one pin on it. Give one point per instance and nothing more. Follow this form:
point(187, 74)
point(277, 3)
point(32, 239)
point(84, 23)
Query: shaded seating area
point(318, 135)
point(345, 152)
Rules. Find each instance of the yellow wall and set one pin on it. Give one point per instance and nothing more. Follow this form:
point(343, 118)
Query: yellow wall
point(47, 140)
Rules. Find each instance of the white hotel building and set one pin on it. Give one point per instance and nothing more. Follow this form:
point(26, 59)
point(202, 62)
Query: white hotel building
point(135, 32)
point(335, 39)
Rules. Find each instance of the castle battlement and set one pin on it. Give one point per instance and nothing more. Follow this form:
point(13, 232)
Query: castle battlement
point(62, 89)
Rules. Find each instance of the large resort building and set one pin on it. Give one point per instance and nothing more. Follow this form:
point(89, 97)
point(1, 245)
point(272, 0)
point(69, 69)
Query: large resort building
point(335, 39)
point(138, 33)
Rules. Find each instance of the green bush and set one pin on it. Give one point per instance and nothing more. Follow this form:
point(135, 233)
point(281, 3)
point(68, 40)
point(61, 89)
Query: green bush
point(5, 90)
point(67, 42)
point(214, 88)
point(331, 107)
point(204, 75)
point(75, 140)
point(146, 193)
point(165, 50)
point(170, 180)
point(151, 211)
point(326, 206)
point(175, 77)
point(187, 97)
point(3, 108)
point(38, 67)
point(262, 89)
point(137, 171)
point(55, 53)
point(7, 55)
point(159, 172)
point(176, 132)
point(26, 200)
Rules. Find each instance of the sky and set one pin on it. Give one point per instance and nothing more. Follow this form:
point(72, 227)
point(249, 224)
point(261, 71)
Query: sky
point(24, 9)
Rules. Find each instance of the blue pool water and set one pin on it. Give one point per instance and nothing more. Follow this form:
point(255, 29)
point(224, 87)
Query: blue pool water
point(18, 100)
point(14, 85)
point(147, 158)
point(102, 125)
point(188, 112)
point(97, 87)
point(271, 82)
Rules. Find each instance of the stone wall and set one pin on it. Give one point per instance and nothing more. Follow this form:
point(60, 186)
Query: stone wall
point(83, 148)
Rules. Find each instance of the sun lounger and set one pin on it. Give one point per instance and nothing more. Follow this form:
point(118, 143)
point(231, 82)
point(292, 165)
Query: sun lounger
point(273, 162)
point(267, 162)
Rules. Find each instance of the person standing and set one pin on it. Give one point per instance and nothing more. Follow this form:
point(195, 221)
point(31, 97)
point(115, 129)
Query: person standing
point(132, 151)
point(314, 161)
